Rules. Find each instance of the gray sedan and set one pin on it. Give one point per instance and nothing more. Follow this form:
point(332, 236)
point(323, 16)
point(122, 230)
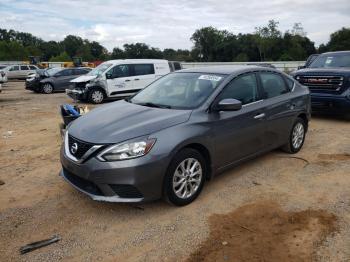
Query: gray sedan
point(182, 130)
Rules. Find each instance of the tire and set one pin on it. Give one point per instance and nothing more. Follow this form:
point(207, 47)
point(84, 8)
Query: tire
point(179, 170)
point(296, 137)
point(96, 96)
point(47, 88)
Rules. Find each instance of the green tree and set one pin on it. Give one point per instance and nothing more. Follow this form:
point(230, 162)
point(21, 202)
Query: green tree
point(72, 44)
point(63, 57)
point(340, 40)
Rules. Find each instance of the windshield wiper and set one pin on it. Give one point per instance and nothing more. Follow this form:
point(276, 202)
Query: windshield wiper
point(154, 105)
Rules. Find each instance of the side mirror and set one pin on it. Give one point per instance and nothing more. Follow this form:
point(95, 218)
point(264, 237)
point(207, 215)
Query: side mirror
point(228, 104)
point(109, 76)
point(301, 67)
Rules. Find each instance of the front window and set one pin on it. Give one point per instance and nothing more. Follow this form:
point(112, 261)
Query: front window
point(243, 88)
point(334, 60)
point(99, 70)
point(179, 90)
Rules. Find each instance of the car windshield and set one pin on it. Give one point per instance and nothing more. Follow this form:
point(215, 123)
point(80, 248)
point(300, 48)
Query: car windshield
point(331, 60)
point(179, 90)
point(99, 70)
point(52, 71)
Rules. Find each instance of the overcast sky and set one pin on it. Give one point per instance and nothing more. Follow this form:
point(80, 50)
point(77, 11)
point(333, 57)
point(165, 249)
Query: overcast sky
point(167, 23)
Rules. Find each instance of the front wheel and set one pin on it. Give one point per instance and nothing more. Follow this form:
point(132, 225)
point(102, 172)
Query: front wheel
point(296, 137)
point(185, 177)
point(96, 96)
point(47, 88)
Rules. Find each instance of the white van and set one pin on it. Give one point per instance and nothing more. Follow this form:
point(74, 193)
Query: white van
point(117, 78)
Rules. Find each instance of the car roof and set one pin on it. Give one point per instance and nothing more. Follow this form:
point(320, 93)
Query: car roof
point(136, 61)
point(336, 52)
point(227, 69)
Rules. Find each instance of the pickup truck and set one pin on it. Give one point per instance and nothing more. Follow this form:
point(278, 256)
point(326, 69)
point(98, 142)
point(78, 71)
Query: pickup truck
point(328, 78)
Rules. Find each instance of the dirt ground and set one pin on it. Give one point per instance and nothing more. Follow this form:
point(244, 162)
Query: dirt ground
point(274, 208)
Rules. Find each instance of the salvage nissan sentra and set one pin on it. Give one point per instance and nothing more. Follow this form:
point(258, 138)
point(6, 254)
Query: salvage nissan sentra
point(181, 130)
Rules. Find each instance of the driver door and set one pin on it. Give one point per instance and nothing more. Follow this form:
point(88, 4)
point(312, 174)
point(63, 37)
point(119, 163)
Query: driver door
point(239, 134)
point(119, 80)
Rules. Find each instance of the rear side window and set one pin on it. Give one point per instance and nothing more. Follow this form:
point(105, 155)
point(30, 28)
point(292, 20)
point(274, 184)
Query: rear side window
point(80, 71)
point(177, 66)
point(24, 67)
point(14, 68)
point(143, 69)
point(243, 88)
point(273, 84)
point(32, 67)
point(290, 83)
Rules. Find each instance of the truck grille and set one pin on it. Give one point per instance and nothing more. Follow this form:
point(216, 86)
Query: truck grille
point(322, 82)
point(78, 148)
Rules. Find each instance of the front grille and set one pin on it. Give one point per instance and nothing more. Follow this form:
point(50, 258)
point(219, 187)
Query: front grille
point(82, 183)
point(126, 191)
point(77, 147)
point(322, 82)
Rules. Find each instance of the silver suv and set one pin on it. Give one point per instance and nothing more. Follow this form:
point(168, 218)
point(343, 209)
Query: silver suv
point(20, 71)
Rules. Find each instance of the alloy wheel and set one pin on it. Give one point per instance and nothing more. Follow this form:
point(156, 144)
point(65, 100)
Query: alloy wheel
point(187, 178)
point(47, 88)
point(298, 135)
point(97, 96)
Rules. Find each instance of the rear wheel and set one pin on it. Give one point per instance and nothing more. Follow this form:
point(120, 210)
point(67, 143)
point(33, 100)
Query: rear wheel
point(185, 177)
point(296, 137)
point(47, 88)
point(96, 96)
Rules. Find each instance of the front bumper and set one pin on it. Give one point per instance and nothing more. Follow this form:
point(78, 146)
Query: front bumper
point(134, 180)
point(333, 102)
point(33, 85)
point(77, 94)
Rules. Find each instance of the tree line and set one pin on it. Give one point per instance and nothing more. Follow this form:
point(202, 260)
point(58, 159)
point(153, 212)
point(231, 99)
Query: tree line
point(210, 44)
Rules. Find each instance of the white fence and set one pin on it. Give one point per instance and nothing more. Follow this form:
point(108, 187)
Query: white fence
point(286, 66)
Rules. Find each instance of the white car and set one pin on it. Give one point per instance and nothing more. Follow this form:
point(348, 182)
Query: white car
point(3, 77)
point(20, 71)
point(117, 78)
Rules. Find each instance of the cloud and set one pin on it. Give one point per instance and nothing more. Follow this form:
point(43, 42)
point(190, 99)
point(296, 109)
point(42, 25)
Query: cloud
point(167, 23)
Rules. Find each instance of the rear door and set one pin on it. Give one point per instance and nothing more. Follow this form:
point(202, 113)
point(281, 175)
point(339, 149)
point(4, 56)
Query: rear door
point(239, 134)
point(278, 108)
point(13, 72)
point(24, 71)
point(62, 81)
point(143, 75)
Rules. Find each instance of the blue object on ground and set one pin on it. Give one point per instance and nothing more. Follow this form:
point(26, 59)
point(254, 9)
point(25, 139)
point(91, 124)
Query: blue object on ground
point(71, 110)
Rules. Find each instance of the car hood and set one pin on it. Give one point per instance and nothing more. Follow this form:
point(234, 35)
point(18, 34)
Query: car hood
point(121, 120)
point(324, 71)
point(82, 79)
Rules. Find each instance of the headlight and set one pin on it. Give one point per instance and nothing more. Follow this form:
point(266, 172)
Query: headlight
point(127, 150)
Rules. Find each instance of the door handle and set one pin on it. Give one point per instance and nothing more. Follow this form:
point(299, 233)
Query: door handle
point(136, 79)
point(259, 116)
point(127, 80)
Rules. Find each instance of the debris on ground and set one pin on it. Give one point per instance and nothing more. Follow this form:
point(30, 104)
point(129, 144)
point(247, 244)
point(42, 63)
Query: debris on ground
point(2, 182)
point(35, 245)
point(7, 134)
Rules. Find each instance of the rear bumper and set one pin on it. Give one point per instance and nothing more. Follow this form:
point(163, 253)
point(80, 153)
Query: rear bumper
point(336, 103)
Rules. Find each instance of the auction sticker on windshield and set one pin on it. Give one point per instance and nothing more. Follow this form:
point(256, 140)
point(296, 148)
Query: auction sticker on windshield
point(210, 77)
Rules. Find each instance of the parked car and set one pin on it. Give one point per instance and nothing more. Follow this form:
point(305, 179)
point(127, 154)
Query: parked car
point(3, 77)
point(328, 78)
point(54, 79)
point(20, 71)
point(116, 79)
point(181, 130)
point(174, 66)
